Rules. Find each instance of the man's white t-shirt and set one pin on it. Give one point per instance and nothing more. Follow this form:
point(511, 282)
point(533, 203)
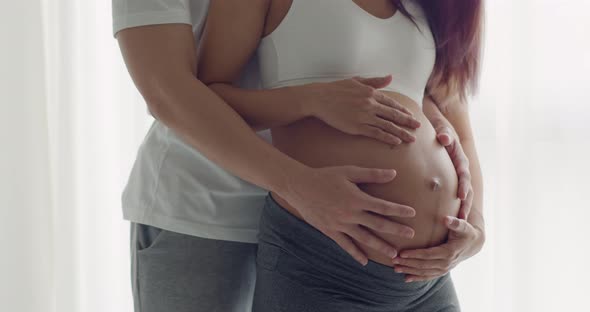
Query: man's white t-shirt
point(173, 186)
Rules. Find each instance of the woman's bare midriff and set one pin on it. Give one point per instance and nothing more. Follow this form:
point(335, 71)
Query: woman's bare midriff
point(426, 178)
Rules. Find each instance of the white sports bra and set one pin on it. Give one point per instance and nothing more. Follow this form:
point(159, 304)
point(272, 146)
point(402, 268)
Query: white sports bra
point(327, 40)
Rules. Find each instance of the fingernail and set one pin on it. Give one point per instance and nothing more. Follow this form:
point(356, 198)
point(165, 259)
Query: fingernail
point(388, 173)
point(392, 254)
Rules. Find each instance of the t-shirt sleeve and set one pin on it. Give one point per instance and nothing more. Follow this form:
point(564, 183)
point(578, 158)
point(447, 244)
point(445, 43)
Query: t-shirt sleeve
point(132, 13)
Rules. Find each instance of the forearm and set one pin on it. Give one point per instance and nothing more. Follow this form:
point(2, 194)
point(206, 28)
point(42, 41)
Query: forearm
point(432, 112)
point(263, 109)
point(475, 216)
point(207, 123)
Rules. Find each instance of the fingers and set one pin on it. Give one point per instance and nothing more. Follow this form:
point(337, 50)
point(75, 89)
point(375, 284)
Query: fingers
point(365, 237)
point(380, 135)
point(368, 175)
point(386, 208)
point(375, 82)
point(438, 252)
point(390, 127)
point(461, 163)
point(444, 135)
point(381, 224)
point(419, 272)
point(458, 225)
point(396, 116)
point(466, 206)
point(464, 183)
point(350, 247)
point(390, 102)
point(441, 265)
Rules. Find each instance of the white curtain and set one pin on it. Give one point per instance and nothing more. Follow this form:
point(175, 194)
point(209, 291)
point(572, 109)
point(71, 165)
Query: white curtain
point(72, 122)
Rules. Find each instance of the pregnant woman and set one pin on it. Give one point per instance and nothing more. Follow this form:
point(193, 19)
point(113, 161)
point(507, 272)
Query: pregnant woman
point(432, 48)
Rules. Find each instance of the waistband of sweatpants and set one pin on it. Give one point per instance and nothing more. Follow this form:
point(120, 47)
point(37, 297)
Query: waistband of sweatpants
point(281, 228)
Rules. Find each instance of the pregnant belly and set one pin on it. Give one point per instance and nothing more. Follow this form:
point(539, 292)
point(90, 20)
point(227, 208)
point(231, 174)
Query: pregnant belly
point(426, 178)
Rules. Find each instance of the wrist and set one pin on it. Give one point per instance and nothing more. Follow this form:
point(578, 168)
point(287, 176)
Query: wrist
point(480, 238)
point(289, 177)
point(306, 97)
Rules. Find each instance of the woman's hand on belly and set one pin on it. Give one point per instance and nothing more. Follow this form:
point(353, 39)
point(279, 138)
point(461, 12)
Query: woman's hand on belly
point(355, 106)
point(448, 137)
point(463, 242)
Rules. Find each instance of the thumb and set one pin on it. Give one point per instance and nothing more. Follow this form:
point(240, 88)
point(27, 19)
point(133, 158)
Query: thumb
point(375, 82)
point(444, 135)
point(459, 226)
point(369, 175)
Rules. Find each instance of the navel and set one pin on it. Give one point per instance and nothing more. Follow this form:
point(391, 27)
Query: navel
point(435, 184)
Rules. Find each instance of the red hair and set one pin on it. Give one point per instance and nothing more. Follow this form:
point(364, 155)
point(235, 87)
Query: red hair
point(457, 27)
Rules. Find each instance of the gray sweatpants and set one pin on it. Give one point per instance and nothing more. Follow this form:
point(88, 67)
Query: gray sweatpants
point(302, 270)
point(182, 273)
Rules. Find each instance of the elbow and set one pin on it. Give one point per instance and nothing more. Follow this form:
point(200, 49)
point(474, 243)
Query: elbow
point(157, 101)
point(157, 108)
point(160, 93)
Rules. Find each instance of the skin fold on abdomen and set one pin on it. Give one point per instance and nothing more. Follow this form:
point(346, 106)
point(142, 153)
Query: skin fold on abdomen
point(426, 178)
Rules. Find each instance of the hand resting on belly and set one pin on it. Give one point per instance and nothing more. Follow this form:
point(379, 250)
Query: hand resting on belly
point(426, 178)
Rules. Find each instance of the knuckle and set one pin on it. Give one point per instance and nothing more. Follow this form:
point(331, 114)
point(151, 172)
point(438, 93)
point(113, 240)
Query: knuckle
point(407, 135)
point(366, 103)
point(391, 126)
point(408, 120)
point(395, 104)
point(369, 91)
point(375, 132)
point(386, 137)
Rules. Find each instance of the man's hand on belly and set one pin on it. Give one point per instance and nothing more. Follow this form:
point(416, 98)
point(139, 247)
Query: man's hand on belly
point(329, 199)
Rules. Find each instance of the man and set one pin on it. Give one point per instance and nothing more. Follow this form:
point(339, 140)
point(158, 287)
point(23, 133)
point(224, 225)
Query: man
point(198, 184)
